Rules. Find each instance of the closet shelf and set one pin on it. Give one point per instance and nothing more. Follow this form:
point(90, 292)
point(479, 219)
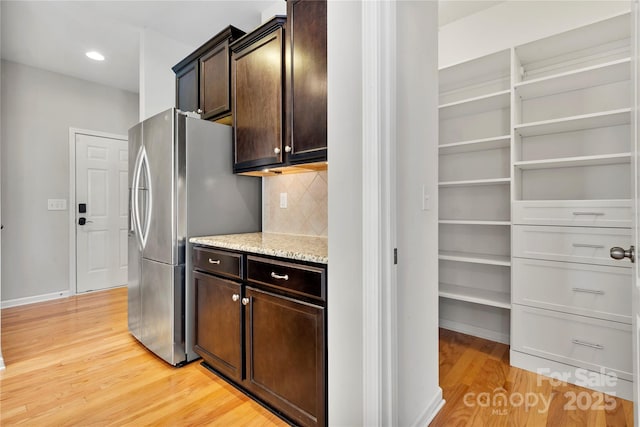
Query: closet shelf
point(610, 72)
point(475, 72)
point(472, 222)
point(475, 295)
point(568, 124)
point(492, 143)
point(579, 42)
point(599, 160)
point(473, 182)
point(475, 258)
point(475, 105)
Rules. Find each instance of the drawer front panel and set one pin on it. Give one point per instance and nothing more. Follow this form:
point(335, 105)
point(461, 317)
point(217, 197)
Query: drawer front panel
point(571, 244)
point(586, 213)
point(575, 340)
point(218, 261)
point(297, 278)
point(588, 290)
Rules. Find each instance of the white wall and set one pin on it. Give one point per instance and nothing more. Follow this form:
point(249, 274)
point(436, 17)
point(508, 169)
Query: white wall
point(1, 358)
point(38, 107)
point(345, 213)
point(416, 373)
point(417, 230)
point(516, 22)
point(157, 81)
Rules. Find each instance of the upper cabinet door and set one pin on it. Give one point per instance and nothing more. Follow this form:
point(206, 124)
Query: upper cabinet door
point(187, 87)
point(215, 88)
point(203, 78)
point(258, 94)
point(306, 80)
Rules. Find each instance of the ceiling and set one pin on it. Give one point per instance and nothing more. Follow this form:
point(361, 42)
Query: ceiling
point(54, 35)
point(452, 10)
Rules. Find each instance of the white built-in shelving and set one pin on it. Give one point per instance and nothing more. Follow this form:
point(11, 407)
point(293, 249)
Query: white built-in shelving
point(475, 295)
point(475, 258)
point(474, 194)
point(495, 142)
point(540, 131)
point(474, 182)
point(570, 162)
point(571, 194)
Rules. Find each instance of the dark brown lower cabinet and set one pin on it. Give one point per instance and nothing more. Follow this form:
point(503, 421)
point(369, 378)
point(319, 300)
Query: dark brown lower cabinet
point(219, 324)
point(265, 332)
point(285, 354)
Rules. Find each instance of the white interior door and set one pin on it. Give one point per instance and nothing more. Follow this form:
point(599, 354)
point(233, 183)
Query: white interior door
point(102, 186)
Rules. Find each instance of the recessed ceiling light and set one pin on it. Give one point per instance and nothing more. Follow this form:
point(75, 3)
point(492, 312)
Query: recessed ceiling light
point(96, 56)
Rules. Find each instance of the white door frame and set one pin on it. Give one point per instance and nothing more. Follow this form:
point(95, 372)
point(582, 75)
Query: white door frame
point(72, 196)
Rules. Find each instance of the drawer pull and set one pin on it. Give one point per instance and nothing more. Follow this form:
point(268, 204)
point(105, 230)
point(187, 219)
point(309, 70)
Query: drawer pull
point(589, 213)
point(214, 261)
point(588, 344)
point(586, 245)
point(277, 276)
point(588, 291)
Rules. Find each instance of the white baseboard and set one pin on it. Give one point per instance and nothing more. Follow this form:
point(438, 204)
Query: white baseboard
point(36, 298)
point(430, 412)
point(475, 331)
point(597, 381)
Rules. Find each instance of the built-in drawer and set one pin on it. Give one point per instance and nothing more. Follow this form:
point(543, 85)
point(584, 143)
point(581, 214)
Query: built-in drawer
point(580, 341)
point(218, 261)
point(297, 278)
point(572, 244)
point(588, 213)
point(588, 290)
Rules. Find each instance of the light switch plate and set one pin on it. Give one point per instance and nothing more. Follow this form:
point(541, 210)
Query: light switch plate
point(283, 200)
point(57, 204)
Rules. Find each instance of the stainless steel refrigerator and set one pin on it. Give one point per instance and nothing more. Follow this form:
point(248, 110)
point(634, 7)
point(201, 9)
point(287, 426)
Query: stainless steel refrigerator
point(181, 185)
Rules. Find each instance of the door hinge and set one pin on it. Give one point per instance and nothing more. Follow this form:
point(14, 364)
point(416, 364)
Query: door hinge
point(395, 256)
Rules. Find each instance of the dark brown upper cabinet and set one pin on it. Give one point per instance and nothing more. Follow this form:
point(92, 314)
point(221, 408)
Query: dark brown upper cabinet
point(306, 81)
point(203, 80)
point(258, 92)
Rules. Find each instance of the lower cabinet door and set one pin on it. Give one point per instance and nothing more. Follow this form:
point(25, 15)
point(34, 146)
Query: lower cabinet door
point(218, 335)
point(285, 355)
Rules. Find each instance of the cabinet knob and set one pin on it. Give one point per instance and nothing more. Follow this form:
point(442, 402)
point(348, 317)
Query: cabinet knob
point(245, 301)
point(287, 148)
point(276, 150)
point(235, 297)
point(199, 111)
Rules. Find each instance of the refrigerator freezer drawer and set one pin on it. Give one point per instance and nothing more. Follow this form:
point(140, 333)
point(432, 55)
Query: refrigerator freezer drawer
point(162, 296)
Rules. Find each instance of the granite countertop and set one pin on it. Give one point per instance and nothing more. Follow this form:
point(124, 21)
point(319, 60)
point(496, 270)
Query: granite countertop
point(292, 246)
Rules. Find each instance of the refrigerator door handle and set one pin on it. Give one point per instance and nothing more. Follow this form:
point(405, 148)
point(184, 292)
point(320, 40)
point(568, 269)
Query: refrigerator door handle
point(141, 223)
point(135, 201)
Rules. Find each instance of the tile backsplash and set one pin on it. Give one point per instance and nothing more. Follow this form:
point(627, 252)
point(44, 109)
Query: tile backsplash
point(306, 211)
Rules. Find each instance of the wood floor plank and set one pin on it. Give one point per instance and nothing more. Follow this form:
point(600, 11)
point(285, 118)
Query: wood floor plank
point(477, 373)
point(72, 362)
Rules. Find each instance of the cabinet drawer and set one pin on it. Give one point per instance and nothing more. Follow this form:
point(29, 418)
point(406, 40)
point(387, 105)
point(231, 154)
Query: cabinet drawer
point(296, 278)
point(572, 244)
point(588, 290)
point(590, 213)
point(575, 340)
point(217, 261)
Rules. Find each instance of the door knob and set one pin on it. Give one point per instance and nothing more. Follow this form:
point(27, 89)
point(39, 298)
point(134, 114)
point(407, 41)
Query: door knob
point(619, 253)
point(82, 221)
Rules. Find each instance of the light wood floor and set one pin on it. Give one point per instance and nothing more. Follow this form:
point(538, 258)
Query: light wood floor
point(72, 362)
point(470, 366)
